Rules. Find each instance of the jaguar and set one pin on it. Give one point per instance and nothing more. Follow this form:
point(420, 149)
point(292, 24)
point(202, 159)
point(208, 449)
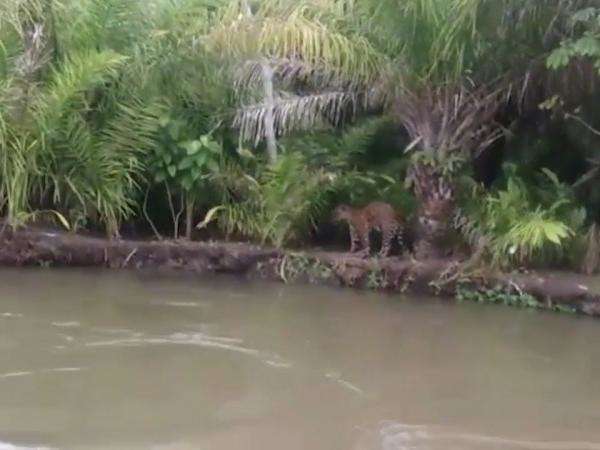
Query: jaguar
point(377, 216)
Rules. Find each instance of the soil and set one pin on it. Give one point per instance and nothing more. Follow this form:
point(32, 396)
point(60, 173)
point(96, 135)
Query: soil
point(441, 276)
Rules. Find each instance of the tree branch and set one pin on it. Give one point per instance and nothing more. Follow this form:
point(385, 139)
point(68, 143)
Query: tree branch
point(582, 122)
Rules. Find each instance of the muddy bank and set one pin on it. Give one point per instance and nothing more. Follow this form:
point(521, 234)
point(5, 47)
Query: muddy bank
point(444, 277)
point(31, 247)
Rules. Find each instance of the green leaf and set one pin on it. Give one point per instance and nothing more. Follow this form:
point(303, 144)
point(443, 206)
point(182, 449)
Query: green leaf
point(156, 165)
point(585, 15)
point(64, 222)
point(192, 147)
point(214, 147)
point(559, 58)
point(167, 158)
point(163, 121)
point(387, 178)
point(160, 176)
point(175, 130)
point(213, 165)
point(588, 45)
point(209, 216)
point(551, 103)
point(186, 163)
point(551, 175)
point(195, 173)
point(172, 170)
point(201, 160)
point(245, 153)
point(187, 183)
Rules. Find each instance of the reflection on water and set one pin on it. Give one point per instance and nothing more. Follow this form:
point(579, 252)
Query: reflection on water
point(92, 359)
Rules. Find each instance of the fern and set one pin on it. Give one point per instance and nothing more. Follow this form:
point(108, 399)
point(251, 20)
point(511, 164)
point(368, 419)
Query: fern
point(517, 225)
point(530, 235)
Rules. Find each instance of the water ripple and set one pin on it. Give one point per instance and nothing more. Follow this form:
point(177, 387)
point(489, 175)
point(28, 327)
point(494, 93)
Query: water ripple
point(397, 436)
point(7, 446)
point(198, 339)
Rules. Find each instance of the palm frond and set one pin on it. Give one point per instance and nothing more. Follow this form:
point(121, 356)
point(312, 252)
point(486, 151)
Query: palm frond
point(294, 37)
point(293, 113)
point(18, 14)
point(69, 84)
point(86, 25)
point(357, 138)
point(449, 119)
point(144, 118)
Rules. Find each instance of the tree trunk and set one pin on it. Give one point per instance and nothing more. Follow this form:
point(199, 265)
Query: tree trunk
point(189, 217)
point(246, 8)
point(267, 73)
point(435, 195)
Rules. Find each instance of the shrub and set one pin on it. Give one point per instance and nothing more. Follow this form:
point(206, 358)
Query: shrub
point(523, 224)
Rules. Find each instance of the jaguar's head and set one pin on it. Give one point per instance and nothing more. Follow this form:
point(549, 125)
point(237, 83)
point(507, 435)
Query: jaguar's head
point(342, 212)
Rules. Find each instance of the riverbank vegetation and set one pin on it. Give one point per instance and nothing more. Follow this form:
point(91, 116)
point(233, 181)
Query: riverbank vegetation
point(242, 119)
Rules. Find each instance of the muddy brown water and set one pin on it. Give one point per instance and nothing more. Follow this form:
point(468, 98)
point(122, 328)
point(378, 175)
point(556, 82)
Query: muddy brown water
point(120, 360)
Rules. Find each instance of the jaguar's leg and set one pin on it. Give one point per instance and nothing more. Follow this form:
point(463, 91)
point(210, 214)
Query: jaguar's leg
point(353, 239)
point(363, 236)
point(358, 244)
point(387, 236)
point(400, 238)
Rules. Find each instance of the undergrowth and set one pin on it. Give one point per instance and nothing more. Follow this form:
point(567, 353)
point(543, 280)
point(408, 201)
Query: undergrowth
point(295, 266)
point(499, 295)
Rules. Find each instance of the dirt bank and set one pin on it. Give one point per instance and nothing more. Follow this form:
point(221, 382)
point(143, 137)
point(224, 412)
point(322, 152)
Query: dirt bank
point(442, 277)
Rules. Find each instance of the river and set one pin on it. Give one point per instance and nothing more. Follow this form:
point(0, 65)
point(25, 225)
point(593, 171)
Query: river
point(124, 360)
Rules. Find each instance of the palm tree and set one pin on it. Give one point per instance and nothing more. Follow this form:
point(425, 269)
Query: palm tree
point(438, 59)
point(460, 69)
point(445, 106)
point(61, 141)
point(295, 69)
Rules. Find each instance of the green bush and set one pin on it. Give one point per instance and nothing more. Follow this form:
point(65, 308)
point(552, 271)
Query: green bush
point(281, 204)
point(523, 223)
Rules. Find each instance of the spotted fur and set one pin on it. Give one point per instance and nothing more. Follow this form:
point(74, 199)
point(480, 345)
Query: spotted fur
point(361, 221)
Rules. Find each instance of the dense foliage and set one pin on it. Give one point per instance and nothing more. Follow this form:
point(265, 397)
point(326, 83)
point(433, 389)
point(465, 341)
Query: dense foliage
point(254, 118)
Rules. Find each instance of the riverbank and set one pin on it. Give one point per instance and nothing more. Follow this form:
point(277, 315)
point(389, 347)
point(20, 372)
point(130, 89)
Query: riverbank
point(442, 277)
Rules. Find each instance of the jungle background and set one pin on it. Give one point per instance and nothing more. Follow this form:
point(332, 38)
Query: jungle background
point(252, 120)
